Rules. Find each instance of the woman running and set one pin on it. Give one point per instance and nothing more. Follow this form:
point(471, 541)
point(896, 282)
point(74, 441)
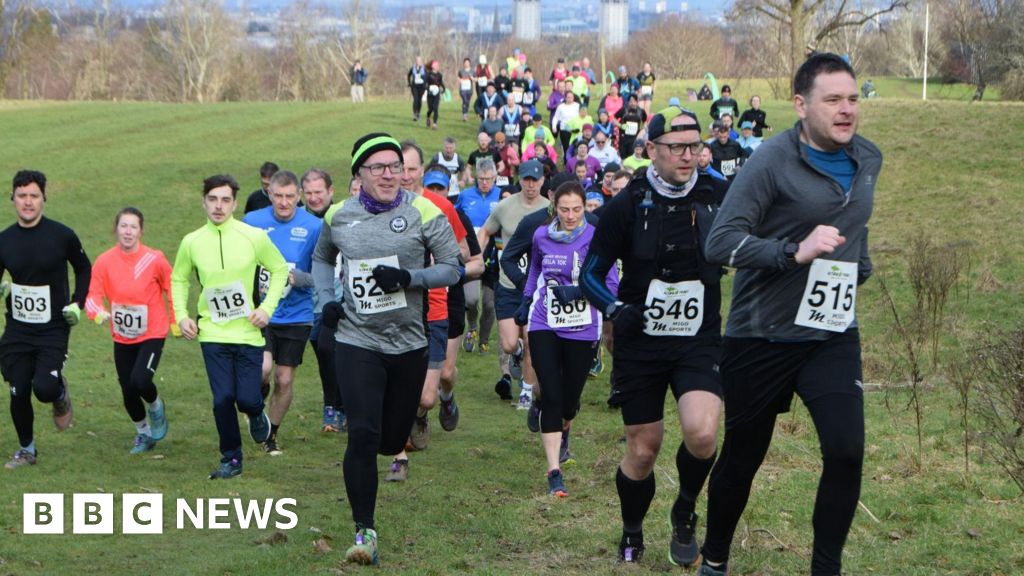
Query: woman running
point(134, 279)
point(564, 330)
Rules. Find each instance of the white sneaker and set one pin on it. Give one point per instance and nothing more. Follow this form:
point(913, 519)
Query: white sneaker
point(525, 399)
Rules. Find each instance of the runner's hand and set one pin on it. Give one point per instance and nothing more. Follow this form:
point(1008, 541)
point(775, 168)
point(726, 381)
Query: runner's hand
point(332, 314)
point(629, 318)
point(522, 315)
point(72, 313)
point(391, 279)
point(101, 317)
point(259, 318)
point(188, 328)
point(567, 294)
point(822, 240)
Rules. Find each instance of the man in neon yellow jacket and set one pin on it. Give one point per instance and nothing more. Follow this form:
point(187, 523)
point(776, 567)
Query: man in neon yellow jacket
point(224, 254)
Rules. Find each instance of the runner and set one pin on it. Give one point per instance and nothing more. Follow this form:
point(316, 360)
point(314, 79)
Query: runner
point(503, 220)
point(647, 82)
point(437, 316)
point(386, 238)
point(631, 120)
point(666, 323)
point(416, 80)
point(466, 86)
point(134, 279)
point(795, 225)
point(35, 251)
point(223, 255)
point(294, 234)
point(260, 198)
point(435, 89)
point(318, 193)
point(477, 202)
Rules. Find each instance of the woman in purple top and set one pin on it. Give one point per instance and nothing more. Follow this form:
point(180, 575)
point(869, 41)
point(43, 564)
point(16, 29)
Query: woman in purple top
point(564, 329)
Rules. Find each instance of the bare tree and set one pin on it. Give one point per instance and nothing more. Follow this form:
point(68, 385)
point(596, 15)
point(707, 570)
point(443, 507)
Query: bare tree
point(681, 48)
point(196, 38)
point(816, 19)
point(987, 39)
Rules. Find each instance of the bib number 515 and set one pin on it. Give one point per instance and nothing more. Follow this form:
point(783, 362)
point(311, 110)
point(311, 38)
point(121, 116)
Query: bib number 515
point(822, 290)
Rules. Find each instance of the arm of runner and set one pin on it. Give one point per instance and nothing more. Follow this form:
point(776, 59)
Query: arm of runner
point(83, 271)
point(300, 279)
point(180, 275)
point(607, 245)
point(94, 302)
point(268, 256)
point(864, 265)
point(325, 255)
point(164, 281)
point(519, 244)
point(440, 241)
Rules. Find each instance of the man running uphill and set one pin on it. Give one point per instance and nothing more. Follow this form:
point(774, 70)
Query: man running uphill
point(666, 324)
point(224, 254)
point(36, 251)
point(386, 237)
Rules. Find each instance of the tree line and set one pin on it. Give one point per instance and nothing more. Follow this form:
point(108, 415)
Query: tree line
point(194, 51)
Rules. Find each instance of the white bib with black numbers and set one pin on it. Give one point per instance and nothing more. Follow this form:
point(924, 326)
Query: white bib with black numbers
point(129, 321)
point(528, 97)
point(368, 298)
point(502, 181)
point(434, 89)
point(465, 85)
point(728, 167)
point(227, 303)
point(30, 304)
point(647, 90)
point(631, 128)
point(573, 314)
point(674, 309)
point(830, 297)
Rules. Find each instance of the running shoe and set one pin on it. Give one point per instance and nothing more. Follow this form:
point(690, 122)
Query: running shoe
point(142, 444)
point(556, 485)
point(228, 469)
point(364, 551)
point(707, 570)
point(420, 435)
point(342, 421)
point(598, 366)
point(469, 342)
point(271, 447)
point(399, 471)
point(515, 362)
point(158, 422)
point(631, 549)
point(533, 416)
point(259, 427)
point(330, 422)
point(683, 549)
point(525, 400)
point(564, 455)
point(62, 409)
point(21, 458)
point(449, 414)
point(484, 347)
point(503, 388)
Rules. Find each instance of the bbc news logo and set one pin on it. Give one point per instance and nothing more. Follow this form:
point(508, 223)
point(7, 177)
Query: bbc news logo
point(144, 514)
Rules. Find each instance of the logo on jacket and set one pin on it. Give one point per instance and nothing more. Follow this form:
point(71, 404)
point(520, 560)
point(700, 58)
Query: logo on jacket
point(399, 224)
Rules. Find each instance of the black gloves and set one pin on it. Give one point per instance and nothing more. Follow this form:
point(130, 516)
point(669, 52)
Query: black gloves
point(629, 318)
point(567, 294)
point(332, 313)
point(522, 316)
point(390, 279)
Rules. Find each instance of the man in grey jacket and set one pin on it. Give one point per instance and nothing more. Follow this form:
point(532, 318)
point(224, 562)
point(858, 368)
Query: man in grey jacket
point(794, 224)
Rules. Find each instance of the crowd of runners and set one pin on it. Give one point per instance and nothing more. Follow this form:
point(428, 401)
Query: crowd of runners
point(585, 240)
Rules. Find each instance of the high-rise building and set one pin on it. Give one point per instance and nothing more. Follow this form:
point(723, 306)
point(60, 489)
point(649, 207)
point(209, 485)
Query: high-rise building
point(614, 22)
point(526, 21)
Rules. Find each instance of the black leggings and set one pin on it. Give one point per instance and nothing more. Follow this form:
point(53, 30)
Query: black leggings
point(564, 137)
point(136, 364)
point(29, 368)
point(381, 394)
point(323, 346)
point(433, 104)
point(839, 420)
point(562, 366)
point(417, 98)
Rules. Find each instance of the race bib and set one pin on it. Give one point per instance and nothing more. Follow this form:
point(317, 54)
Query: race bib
point(632, 128)
point(512, 130)
point(674, 309)
point(30, 304)
point(573, 314)
point(368, 298)
point(517, 94)
point(528, 98)
point(830, 297)
point(129, 321)
point(263, 281)
point(728, 167)
point(417, 79)
point(502, 181)
point(465, 85)
point(646, 90)
point(227, 303)
point(434, 89)
point(481, 81)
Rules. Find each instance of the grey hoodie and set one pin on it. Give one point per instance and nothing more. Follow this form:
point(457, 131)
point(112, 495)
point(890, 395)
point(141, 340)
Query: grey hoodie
point(779, 197)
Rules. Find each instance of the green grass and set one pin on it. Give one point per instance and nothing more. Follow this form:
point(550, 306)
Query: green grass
point(475, 502)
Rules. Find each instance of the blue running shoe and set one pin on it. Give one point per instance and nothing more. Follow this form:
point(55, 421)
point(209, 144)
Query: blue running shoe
point(556, 485)
point(158, 421)
point(683, 549)
point(364, 551)
point(228, 469)
point(330, 420)
point(259, 427)
point(533, 416)
point(142, 444)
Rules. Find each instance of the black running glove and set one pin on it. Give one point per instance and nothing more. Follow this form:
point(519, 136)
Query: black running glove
point(522, 316)
point(629, 318)
point(391, 279)
point(567, 294)
point(332, 314)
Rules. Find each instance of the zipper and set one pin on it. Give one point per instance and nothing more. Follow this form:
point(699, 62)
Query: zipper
point(220, 241)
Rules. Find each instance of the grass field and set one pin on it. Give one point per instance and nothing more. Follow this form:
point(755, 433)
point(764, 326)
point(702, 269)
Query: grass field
point(476, 500)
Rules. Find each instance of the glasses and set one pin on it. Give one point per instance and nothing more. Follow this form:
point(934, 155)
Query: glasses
point(680, 148)
point(378, 169)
